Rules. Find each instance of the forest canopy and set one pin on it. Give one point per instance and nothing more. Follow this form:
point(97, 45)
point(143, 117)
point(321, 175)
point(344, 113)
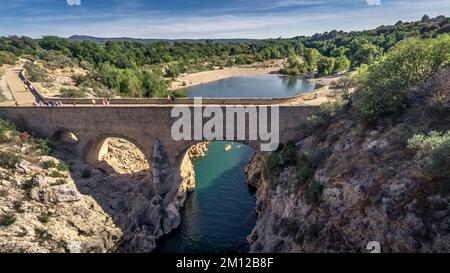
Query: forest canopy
point(140, 69)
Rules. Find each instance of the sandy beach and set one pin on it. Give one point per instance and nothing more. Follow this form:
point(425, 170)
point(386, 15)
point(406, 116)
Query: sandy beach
point(192, 79)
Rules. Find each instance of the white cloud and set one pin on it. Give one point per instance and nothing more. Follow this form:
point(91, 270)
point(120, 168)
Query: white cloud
point(141, 23)
point(374, 2)
point(73, 2)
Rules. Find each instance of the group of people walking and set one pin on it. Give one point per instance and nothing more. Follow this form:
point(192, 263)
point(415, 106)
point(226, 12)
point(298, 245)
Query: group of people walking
point(56, 103)
point(49, 103)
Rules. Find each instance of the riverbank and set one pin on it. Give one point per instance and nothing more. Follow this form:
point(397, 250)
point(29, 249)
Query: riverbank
point(188, 80)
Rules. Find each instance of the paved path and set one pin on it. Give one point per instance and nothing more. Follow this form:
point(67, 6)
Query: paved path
point(18, 89)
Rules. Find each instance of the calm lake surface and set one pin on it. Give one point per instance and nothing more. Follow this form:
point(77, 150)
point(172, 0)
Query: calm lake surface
point(263, 86)
point(220, 213)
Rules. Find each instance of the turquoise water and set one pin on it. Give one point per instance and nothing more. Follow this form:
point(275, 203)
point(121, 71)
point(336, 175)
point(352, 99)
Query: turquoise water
point(220, 213)
point(264, 86)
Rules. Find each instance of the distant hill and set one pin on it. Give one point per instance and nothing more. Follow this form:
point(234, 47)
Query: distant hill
point(104, 40)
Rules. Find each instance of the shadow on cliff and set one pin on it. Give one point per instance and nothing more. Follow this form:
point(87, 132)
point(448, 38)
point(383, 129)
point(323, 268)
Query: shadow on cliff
point(128, 199)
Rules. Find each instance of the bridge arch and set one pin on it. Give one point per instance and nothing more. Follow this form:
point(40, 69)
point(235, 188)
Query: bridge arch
point(64, 137)
point(97, 148)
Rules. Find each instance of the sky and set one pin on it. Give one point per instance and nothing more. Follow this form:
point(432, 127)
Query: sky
point(199, 19)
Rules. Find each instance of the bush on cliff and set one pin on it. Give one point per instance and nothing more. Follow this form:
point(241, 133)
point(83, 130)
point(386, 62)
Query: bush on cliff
point(433, 151)
point(383, 86)
point(43, 146)
point(35, 72)
point(7, 219)
point(72, 93)
point(313, 193)
point(288, 154)
point(278, 160)
point(305, 169)
point(8, 160)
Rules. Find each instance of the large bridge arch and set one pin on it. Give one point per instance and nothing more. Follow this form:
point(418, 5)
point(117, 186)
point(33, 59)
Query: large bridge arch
point(64, 136)
point(96, 147)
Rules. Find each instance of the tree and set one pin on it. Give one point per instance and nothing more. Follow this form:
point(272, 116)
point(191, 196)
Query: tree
point(343, 86)
point(53, 43)
point(341, 64)
point(312, 57)
point(154, 85)
point(366, 54)
point(383, 86)
point(326, 66)
point(7, 58)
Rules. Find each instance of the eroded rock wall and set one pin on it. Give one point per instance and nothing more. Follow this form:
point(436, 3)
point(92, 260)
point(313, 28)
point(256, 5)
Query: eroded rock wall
point(367, 188)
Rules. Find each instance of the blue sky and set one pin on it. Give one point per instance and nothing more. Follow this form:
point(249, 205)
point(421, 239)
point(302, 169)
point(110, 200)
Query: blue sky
point(205, 18)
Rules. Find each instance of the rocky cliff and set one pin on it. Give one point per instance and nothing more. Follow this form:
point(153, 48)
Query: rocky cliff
point(59, 204)
point(349, 183)
point(187, 171)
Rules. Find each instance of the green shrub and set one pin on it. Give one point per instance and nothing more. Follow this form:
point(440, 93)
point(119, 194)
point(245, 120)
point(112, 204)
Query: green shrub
point(27, 185)
point(288, 155)
point(305, 169)
point(9, 160)
point(7, 131)
point(434, 151)
point(383, 86)
point(322, 118)
point(35, 72)
point(59, 182)
point(42, 236)
point(62, 167)
point(7, 58)
point(44, 217)
point(57, 174)
point(6, 176)
point(72, 93)
point(313, 193)
point(271, 165)
point(43, 146)
point(6, 126)
point(49, 164)
point(7, 219)
point(17, 206)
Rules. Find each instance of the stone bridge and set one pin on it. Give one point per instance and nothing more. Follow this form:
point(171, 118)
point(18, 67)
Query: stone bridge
point(148, 127)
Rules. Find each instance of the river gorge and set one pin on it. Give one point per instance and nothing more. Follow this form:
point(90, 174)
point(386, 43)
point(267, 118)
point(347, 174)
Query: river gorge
point(220, 212)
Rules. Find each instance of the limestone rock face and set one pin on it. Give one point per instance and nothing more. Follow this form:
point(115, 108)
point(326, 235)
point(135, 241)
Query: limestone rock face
point(172, 186)
point(56, 218)
point(254, 170)
point(371, 190)
point(56, 194)
point(187, 171)
point(124, 157)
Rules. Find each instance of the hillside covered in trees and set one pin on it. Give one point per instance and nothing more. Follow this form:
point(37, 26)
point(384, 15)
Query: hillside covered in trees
point(140, 69)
